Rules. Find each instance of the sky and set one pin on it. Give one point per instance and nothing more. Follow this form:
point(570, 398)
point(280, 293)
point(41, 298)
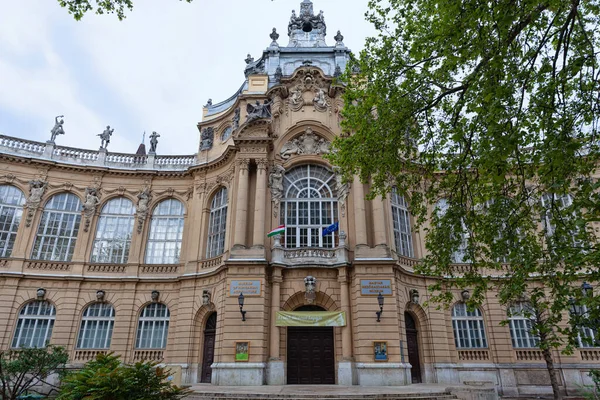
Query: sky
point(152, 71)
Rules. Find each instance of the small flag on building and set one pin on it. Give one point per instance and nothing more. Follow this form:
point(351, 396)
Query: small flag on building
point(280, 230)
point(331, 228)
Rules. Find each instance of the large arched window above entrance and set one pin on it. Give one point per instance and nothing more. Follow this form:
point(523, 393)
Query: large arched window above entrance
point(153, 327)
point(469, 331)
point(11, 211)
point(113, 234)
point(35, 323)
point(217, 224)
point(402, 232)
point(309, 204)
point(58, 229)
point(96, 328)
point(166, 233)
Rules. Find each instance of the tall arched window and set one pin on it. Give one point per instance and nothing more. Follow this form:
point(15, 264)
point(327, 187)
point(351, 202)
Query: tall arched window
point(520, 319)
point(459, 255)
point(153, 327)
point(402, 233)
point(113, 234)
point(309, 204)
point(35, 323)
point(217, 224)
point(96, 328)
point(11, 211)
point(58, 228)
point(166, 231)
point(469, 331)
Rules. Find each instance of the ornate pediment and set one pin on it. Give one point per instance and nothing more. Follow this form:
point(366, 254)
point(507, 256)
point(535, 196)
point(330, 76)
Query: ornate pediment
point(307, 143)
point(307, 87)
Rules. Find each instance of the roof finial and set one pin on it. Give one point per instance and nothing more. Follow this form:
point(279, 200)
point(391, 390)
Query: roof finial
point(144, 137)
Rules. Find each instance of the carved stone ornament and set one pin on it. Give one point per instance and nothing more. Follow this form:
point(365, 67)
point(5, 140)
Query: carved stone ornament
point(320, 100)
point(92, 198)
point(276, 186)
point(207, 138)
point(258, 111)
point(310, 285)
point(342, 189)
point(236, 119)
point(309, 80)
point(36, 191)
point(205, 297)
point(144, 198)
point(307, 143)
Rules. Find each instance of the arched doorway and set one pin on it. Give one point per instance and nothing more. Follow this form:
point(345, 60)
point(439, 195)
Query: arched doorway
point(208, 351)
point(310, 354)
point(412, 343)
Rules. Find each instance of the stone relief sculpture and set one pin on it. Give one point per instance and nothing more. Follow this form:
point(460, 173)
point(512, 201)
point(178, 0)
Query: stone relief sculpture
point(144, 198)
point(236, 118)
point(105, 137)
point(92, 198)
point(320, 100)
point(258, 111)
point(58, 128)
point(276, 186)
point(342, 189)
point(307, 143)
point(36, 191)
point(207, 138)
point(296, 99)
point(153, 142)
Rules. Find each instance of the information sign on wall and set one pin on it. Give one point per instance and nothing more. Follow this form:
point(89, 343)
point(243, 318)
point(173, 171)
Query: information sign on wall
point(372, 287)
point(247, 287)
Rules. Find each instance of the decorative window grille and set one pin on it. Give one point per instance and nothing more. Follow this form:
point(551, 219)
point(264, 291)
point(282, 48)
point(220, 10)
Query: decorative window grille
point(402, 232)
point(520, 319)
point(35, 323)
point(11, 211)
point(309, 204)
point(113, 234)
point(96, 328)
point(217, 224)
point(460, 254)
point(153, 327)
point(58, 229)
point(588, 337)
point(166, 233)
point(469, 331)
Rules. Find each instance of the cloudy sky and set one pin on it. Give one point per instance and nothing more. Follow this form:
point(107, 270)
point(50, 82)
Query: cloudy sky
point(153, 71)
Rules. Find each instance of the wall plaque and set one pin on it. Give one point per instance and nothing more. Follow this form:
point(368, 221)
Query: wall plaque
point(247, 287)
point(372, 287)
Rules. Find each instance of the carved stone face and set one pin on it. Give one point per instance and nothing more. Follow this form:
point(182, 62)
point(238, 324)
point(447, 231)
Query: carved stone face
point(154, 295)
point(205, 297)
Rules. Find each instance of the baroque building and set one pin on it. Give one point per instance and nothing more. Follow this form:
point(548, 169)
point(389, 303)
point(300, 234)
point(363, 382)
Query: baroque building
point(167, 258)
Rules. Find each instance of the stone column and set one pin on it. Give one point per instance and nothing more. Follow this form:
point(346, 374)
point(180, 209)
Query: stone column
point(378, 222)
point(259, 203)
point(346, 373)
point(241, 212)
point(360, 222)
point(275, 368)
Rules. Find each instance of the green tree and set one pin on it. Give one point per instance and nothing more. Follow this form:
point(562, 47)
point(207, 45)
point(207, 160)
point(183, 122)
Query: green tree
point(26, 369)
point(78, 8)
point(106, 378)
point(491, 108)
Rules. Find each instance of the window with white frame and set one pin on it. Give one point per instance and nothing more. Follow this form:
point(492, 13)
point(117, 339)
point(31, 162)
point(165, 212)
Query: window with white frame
point(58, 229)
point(11, 211)
point(217, 224)
point(469, 331)
point(166, 233)
point(402, 232)
point(97, 325)
point(520, 319)
point(460, 254)
point(113, 234)
point(34, 325)
point(550, 201)
point(153, 327)
point(309, 204)
point(587, 337)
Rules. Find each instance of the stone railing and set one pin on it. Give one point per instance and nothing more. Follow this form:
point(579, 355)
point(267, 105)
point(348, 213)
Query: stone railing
point(48, 266)
point(310, 255)
point(71, 155)
point(308, 252)
point(159, 268)
point(407, 262)
point(590, 355)
point(86, 355)
point(148, 355)
point(473, 355)
point(212, 262)
point(529, 355)
point(107, 268)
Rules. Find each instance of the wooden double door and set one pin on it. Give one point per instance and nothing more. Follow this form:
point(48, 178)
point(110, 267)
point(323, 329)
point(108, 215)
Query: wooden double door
point(310, 356)
point(412, 342)
point(208, 350)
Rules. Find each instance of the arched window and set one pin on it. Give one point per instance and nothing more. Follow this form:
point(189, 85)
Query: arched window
point(96, 328)
point(166, 231)
point(309, 204)
point(11, 210)
point(217, 224)
point(35, 323)
point(113, 234)
point(459, 255)
point(402, 233)
point(153, 327)
point(469, 331)
point(520, 319)
point(58, 228)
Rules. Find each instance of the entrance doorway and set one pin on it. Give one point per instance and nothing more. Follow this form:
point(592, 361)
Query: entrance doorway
point(412, 343)
point(208, 352)
point(310, 354)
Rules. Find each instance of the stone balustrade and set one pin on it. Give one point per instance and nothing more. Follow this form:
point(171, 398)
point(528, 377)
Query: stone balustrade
point(590, 355)
point(474, 355)
point(529, 355)
point(212, 262)
point(83, 356)
point(71, 155)
point(297, 256)
point(148, 355)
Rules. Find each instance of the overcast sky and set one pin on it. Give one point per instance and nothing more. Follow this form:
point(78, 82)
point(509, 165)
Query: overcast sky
point(153, 71)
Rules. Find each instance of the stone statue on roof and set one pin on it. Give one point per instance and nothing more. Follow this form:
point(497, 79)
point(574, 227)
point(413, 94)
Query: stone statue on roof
point(153, 142)
point(58, 127)
point(105, 137)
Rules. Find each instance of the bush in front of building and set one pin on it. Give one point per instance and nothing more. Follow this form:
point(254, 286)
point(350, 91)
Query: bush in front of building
point(107, 378)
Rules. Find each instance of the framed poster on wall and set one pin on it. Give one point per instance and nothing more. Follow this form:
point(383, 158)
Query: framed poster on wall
point(380, 351)
point(242, 351)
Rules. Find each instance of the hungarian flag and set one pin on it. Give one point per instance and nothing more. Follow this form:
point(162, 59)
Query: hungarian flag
point(280, 230)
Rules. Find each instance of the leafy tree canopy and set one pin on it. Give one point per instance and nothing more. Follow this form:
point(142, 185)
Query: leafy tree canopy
point(78, 8)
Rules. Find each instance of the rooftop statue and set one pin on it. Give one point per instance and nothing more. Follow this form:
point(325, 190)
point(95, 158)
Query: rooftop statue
point(153, 142)
point(58, 127)
point(105, 137)
point(307, 22)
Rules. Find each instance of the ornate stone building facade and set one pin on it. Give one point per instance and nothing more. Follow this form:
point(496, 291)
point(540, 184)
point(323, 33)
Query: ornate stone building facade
point(147, 255)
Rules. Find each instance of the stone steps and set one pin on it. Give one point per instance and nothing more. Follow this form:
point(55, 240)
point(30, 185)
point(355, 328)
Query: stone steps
point(199, 395)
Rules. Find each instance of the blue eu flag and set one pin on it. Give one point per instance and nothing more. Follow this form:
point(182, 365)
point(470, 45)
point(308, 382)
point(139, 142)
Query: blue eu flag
point(331, 228)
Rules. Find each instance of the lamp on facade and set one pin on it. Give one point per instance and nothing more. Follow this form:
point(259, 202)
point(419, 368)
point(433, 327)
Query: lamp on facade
point(414, 296)
point(241, 303)
point(154, 295)
point(40, 293)
point(587, 289)
point(465, 294)
point(100, 295)
point(380, 301)
point(205, 297)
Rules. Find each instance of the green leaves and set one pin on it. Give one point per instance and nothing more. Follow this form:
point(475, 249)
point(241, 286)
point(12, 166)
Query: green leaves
point(78, 8)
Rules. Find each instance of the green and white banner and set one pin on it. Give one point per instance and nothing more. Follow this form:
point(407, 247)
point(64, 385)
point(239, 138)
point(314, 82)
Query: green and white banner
point(310, 318)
